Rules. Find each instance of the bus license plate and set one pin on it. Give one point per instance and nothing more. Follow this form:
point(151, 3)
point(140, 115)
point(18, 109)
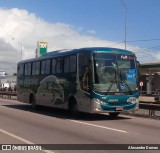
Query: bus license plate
point(119, 109)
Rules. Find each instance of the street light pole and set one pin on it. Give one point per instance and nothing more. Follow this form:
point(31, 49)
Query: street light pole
point(20, 45)
point(125, 7)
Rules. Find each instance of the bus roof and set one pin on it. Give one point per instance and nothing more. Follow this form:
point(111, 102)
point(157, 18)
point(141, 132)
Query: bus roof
point(66, 52)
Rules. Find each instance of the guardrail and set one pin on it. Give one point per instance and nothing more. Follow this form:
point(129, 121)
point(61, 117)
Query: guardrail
point(9, 95)
point(151, 106)
point(153, 93)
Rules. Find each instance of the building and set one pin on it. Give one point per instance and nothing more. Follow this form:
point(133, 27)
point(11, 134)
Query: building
point(2, 74)
point(8, 82)
point(150, 76)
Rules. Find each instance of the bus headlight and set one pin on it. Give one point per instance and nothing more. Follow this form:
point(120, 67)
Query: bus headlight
point(98, 101)
point(133, 100)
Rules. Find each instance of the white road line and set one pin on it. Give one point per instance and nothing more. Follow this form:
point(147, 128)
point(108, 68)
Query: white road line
point(21, 139)
point(104, 127)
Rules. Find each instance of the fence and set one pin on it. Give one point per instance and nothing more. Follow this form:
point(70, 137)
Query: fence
point(153, 93)
point(9, 95)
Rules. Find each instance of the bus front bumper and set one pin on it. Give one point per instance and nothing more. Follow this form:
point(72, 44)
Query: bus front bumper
point(101, 107)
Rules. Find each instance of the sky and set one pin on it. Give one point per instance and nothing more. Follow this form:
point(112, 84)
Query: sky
point(66, 24)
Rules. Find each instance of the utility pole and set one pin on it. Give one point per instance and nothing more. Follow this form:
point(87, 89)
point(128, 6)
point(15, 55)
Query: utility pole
point(125, 7)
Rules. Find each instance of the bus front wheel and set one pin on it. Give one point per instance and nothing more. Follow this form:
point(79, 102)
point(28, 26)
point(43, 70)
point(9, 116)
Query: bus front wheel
point(73, 108)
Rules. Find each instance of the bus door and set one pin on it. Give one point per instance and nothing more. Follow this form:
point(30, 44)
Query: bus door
point(85, 79)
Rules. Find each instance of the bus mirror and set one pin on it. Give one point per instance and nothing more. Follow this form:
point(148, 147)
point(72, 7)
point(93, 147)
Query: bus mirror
point(138, 64)
point(138, 68)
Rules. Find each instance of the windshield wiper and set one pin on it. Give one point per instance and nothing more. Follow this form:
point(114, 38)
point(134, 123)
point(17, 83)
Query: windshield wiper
point(112, 82)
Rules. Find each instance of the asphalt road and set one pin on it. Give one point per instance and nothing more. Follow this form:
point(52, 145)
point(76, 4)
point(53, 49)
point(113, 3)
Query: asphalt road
point(19, 124)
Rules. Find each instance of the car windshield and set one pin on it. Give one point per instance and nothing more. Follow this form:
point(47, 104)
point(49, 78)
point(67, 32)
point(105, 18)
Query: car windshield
point(114, 72)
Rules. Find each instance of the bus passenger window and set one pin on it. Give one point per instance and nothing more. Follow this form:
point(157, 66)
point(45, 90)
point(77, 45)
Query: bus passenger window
point(43, 67)
point(84, 75)
point(34, 68)
point(66, 64)
point(73, 63)
point(53, 66)
point(25, 69)
point(48, 66)
point(29, 69)
point(59, 65)
point(37, 68)
point(20, 69)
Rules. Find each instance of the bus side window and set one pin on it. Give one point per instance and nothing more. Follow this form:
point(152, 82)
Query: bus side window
point(73, 63)
point(33, 68)
point(66, 64)
point(48, 67)
point(20, 69)
point(59, 65)
point(43, 67)
point(53, 66)
point(70, 64)
point(84, 77)
point(37, 68)
point(27, 69)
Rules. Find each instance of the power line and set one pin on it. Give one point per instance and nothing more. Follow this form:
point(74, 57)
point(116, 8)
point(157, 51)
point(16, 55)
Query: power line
point(158, 39)
point(116, 43)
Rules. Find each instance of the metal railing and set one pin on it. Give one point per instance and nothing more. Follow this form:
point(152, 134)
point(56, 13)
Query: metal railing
point(151, 106)
point(153, 93)
point(8, 95)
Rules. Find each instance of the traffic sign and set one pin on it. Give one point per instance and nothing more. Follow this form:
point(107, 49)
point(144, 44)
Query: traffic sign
point(141, 84)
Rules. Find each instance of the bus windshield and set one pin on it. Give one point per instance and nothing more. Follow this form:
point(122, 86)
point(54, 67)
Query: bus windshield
point(114, 72)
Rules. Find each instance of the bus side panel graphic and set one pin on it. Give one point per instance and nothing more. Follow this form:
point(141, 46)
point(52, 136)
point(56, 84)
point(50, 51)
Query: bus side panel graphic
point(51, 87)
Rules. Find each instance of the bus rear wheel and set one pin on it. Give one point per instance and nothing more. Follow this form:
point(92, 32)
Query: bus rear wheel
point(113, 115)
point(33, 101)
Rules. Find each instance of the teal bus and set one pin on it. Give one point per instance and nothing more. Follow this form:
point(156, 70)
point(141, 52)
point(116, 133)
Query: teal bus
point(91, 80)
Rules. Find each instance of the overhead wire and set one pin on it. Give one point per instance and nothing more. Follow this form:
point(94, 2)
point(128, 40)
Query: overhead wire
point(154, 39)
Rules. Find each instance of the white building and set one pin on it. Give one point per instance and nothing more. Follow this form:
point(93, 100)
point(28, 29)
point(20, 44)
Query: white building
point(8, 82)
point(2, 73)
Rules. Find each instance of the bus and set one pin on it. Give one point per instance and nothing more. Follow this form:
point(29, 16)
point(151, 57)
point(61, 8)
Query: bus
point(91, 80)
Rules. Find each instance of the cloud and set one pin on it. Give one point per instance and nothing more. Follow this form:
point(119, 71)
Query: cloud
point(28, 29)
point(91, 31)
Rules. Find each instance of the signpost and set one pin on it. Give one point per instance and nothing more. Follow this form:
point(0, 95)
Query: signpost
point(141, 85)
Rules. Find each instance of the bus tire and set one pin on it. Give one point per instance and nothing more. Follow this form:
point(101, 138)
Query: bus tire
point(33, 101)
point(73, 107)
point(113, 115)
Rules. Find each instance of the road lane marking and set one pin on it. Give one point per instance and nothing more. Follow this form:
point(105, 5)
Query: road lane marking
point(103, 127)
point(21, 139)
